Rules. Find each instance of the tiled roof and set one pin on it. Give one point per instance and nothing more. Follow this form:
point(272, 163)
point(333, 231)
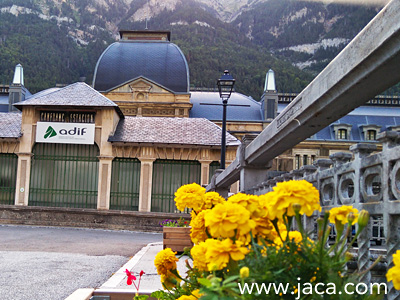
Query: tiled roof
point(10, 125)
point(182, 131)
point(77, 94)
point(361, 116)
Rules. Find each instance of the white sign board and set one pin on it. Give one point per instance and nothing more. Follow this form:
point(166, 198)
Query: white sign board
point(65, 133)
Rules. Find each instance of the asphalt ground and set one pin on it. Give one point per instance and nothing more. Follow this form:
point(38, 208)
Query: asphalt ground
point(40, 263)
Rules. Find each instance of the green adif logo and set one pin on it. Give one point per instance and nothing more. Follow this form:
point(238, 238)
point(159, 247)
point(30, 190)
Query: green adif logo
point(50, 132)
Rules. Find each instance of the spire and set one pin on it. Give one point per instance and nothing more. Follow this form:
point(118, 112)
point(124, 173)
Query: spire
point(18, 75)
point(270, 81)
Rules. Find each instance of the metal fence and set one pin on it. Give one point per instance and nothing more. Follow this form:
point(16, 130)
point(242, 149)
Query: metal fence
point(64, 175)
point(168, 176)
point(8, 177)
point(125, 180)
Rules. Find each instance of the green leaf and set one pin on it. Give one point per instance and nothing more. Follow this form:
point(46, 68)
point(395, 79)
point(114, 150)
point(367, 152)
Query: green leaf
point(204, 281)
point(141, 297)
point(158, 294)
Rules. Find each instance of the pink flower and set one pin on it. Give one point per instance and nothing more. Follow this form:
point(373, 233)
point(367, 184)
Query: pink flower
point(131, 277)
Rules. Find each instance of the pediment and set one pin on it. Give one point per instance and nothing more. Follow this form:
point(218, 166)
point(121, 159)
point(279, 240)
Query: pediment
point(140, 85)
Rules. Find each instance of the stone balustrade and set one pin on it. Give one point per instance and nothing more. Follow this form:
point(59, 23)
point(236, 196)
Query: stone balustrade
point(365, 181)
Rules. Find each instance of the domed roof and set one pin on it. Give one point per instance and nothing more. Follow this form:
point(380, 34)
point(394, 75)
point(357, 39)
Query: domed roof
point(160, 61)
point(209, 105)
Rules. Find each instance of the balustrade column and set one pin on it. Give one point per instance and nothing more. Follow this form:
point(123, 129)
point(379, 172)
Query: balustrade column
point(391, 211)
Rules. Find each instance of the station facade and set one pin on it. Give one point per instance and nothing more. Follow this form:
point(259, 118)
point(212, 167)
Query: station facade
point(138, 133)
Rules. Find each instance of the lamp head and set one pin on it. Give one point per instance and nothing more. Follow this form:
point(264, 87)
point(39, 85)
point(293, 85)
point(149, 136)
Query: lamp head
point(225, 85)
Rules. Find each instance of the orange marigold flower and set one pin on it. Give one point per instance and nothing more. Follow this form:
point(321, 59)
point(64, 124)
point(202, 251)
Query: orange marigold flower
point(394, 273)
point(339, 214)
point(198, 228)
point(170, 280)
point(219, 252)
point(190, 196)
point(165, 261)
point(211, 199)
point(287, 193)
point(198, 253)
point(225, 218)
point(250, 202)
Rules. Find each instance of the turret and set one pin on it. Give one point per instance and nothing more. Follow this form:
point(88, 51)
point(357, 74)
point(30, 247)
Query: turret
point(17, 90)
point(269, 99)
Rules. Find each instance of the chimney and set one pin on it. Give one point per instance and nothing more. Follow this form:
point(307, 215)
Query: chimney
point(17, 89)
point(269, 99)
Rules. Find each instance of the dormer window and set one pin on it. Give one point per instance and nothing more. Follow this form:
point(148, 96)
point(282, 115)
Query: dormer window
point(370, 132)
point(394, 128)
point(342, 131)
point(371, 135)
point(342, 134)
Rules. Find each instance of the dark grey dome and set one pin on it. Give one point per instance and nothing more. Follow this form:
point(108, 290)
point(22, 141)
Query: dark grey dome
point(161, 62)
point(209, 105)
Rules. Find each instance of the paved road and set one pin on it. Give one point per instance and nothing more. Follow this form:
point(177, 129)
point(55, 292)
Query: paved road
point(40, 263)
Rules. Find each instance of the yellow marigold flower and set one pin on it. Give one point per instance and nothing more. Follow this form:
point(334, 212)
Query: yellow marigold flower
point(250, 202)
point(198, 228)
point(265, 229)
point(211, 199)
point(198, 253)
point(339, 214)
point(225, 218)
point(219, 252)
point(196, 293)
point(264, 201)
point(190, 196)
point(244, 272)
point(294, 236)
point(169, 280)
point(165, 261)
point(394, 273)
point(287, 193)
point(185, 297)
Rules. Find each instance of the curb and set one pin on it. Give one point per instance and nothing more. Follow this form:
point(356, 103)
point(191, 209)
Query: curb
point(120, 275)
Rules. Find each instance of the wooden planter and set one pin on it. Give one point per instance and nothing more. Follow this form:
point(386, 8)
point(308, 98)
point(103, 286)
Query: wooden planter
point(176, 238)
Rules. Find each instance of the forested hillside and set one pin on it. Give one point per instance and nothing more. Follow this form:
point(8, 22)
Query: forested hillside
point(60, 41)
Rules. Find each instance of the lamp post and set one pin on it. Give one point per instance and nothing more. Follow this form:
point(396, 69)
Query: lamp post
point(225, 87)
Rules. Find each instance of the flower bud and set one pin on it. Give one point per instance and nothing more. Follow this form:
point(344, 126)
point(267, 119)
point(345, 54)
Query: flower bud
point(363, 218)
point(351, 217)
point(244, 272)
point(348, 256)
point(296, 207)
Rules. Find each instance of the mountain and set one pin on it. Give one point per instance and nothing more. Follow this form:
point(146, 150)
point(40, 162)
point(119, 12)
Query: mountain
point(59, 41)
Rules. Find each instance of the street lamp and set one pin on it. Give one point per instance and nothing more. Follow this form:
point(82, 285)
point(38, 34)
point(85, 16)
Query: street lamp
point(225, 87)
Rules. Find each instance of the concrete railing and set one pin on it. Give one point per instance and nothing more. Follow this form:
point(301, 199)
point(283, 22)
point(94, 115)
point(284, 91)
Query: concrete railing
point(367, 66)
point(365, 181)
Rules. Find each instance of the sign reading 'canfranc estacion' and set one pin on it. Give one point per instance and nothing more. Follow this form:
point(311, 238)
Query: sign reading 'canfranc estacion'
point(65, 133)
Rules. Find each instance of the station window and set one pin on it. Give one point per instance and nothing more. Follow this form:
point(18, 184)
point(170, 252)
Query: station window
point(342, 134)
point(371, 135)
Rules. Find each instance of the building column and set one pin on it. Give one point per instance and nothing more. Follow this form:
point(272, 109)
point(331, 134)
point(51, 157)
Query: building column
point(146, 183)
point(104, 182)
point(23, 178)
point(205, 172)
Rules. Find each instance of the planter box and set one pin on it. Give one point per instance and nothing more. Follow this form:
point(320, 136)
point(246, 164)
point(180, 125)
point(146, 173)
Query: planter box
point(176, 238)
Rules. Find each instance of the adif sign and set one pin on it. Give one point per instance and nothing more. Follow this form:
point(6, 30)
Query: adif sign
point(65, 133)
